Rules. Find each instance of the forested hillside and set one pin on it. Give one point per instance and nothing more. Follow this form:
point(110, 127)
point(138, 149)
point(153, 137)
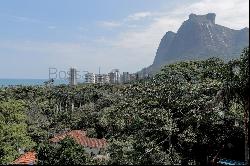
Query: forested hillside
point(190, 112)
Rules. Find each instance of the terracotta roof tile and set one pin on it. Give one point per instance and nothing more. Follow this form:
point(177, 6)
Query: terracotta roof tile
point(28, 158)
point(81, 137)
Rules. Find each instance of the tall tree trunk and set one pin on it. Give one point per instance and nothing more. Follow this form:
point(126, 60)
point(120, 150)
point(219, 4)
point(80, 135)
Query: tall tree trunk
point(72, 106)
point(60, 107)
point(57, 109)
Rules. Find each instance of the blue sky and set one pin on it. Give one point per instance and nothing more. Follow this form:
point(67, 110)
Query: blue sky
point(86, 34)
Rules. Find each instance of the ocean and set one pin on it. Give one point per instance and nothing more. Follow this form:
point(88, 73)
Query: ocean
point(29, 82)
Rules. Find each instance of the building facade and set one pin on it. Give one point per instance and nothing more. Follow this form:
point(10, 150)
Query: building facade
point(125, 78)
point(90, 78)
point(99, 79)
point(72, 76)
point(106, 79)
point(114, 76)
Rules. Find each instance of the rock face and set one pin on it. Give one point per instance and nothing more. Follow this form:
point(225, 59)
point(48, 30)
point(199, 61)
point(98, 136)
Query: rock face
point(199, 38)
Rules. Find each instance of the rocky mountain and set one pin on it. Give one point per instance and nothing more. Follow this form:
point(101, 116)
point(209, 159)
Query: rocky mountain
point(199, 37)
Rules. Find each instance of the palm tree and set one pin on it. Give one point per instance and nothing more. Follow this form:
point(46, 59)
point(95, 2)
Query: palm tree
point(237, 87)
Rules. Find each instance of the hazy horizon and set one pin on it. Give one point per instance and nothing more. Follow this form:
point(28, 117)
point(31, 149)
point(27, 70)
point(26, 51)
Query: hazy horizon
point(37, 35)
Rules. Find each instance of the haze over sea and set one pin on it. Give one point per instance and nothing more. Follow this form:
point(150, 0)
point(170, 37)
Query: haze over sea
point(30, 82)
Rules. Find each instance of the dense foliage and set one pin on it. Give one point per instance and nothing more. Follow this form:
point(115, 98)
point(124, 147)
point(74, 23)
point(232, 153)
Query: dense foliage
point(13, 131)
point(66, 152)
point(190, 112)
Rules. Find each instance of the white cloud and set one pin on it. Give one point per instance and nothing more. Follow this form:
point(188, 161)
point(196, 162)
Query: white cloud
point(110, 24)
point(230, 13)
point(133, 48)
point(126, 21)
point(142, 43)
point(139, 16)
point(25, 19)
point(64, 55)
point(132, 26)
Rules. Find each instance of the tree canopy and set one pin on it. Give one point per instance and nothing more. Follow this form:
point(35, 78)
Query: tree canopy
point(65, 152)
point(189, 112)
point(13, 131)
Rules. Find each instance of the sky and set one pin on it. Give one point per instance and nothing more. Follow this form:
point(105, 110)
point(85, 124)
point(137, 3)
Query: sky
point(88, 34)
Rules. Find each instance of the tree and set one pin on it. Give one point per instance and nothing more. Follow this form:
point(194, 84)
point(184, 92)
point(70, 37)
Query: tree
point(13, 131)
point(65, 152)
point(236, 89)
point(166, 119)
point(174, 114)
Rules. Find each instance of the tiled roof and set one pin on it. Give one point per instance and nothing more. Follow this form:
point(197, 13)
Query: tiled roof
point(28, 158)
point(80, 137)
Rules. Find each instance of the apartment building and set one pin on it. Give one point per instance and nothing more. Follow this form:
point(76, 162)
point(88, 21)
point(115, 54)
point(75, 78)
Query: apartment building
point(72, 76)
point(90, 78)
point(99, 79)
point(125, 77)
point(114, 76)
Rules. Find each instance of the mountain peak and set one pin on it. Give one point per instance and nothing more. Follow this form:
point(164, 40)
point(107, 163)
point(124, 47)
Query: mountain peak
point(170, 32)
point(199, 38)
point(210, 17)
point(245, 29)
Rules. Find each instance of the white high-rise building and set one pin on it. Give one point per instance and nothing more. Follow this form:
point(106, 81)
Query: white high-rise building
point(90, 78)
point(72, 76)
point(114, 76)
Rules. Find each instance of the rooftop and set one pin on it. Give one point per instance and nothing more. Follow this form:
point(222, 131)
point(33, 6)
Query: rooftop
point(81, 138)
point(28, 158)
